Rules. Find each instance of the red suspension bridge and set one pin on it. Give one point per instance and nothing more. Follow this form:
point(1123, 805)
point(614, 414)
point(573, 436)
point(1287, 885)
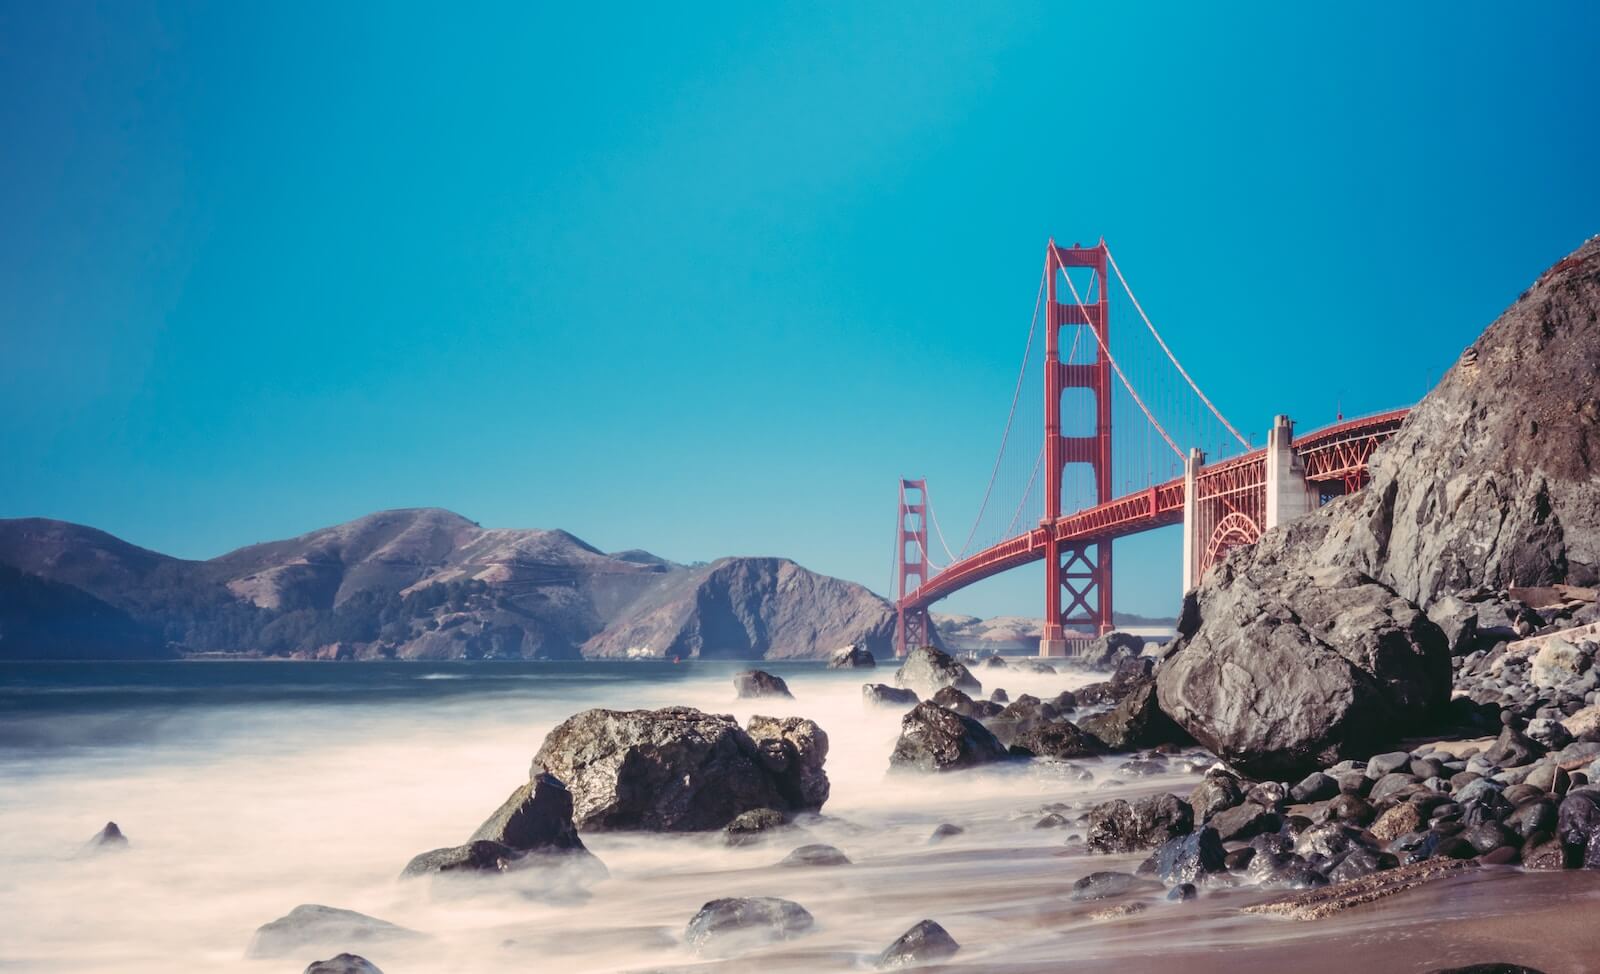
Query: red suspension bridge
point(1128, 453)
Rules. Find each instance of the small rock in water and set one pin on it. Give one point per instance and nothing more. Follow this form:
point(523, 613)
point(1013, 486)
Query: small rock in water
point(935, 739)
point(852, 658)
point(759, 683)
point(924, 943)
point(1117, 826)
point(883, 695)
point(815, 854)
point(1183, 892)
point(343, 964)
point(737, 921)
point(1104, 885)
point(313, 925)
point(108, 838)
point(927, 669)
point(1487, 969)
point(945, 831)
point(752, 826)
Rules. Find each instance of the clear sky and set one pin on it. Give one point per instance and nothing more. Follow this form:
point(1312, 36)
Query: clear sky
point(708, 282)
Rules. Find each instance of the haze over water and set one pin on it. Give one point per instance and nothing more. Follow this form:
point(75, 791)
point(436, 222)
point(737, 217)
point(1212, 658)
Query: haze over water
point(248, 788)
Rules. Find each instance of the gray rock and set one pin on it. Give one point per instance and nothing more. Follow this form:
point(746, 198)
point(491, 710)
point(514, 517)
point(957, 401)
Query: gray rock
point(926, 669)
point(1104, 885)
point(1244, 821)
point(815, 854)
point(924, 943)
point(935, 739)
point(1285, 666)
point(536, 818)
point(1136, 721)
point(343, 964)
point(883, 695)
point(1105, 652)
point(677, 769)
point(952, 699)
point(312, 925)
point(108, 839)
point(1314, 787)
point(1117, 826)
point(748, 684)
point(749, 828)
point(852, 658)
point(1056, 739)
point(731, 923)
point(945, 831)
point(1558, 662)
point(480, 856)
point(1186, 858)
point(1381, 764)
point(1458, 620)
point(1218, 791)
point(1513, 749)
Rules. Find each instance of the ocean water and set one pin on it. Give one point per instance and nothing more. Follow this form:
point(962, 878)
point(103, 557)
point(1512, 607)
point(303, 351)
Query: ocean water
point(249, 788)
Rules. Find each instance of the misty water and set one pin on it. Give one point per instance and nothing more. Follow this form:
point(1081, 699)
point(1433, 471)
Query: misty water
point(249, 788)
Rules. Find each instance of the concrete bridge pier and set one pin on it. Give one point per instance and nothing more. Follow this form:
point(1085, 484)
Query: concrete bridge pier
point(1288, 493)
point(1284, 494)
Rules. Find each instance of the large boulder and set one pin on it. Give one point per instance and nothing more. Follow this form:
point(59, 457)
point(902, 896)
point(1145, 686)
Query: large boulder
point(935, 739)
point(312, 925)
point(793, 751)
point(926, 670)
point(678, 769)
point(1284, 666)
point(852, 658)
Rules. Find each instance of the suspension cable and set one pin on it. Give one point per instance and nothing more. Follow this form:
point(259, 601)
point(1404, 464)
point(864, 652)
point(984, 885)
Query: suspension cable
point(1110, 358)
point(1181, 371)
point(927, 502)
point(1016, 394)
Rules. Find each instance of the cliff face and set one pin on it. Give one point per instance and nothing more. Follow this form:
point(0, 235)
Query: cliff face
point(745, 608)
point(1493, 479)
point(417, 584)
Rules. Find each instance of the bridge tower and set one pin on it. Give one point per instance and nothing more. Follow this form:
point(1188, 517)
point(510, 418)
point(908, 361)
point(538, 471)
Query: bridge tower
point(913, 627)
point(1077, 574)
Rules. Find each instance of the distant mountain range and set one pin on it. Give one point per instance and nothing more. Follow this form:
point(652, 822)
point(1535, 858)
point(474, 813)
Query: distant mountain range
point(1017, 634)
point(420, 583)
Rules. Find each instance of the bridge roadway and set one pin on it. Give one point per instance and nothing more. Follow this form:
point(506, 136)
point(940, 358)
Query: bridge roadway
point(1334, 454)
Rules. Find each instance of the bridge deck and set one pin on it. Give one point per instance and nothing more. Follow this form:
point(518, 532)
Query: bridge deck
point(1331, 453)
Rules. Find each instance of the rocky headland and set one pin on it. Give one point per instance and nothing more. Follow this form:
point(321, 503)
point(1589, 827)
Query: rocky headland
point(421, 584)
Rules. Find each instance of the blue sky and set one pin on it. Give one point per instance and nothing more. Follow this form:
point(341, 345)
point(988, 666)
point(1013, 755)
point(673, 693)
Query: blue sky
point(708, 282)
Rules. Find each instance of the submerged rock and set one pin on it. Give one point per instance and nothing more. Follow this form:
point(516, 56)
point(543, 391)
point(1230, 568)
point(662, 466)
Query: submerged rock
point(532, 827)
point(883, 695)
point(753, 826)
point(926, 670)
point(1186, 858)
point(313, 925)
point(816, 854)
point(343, 964)
point(759, 683)
point(922, 944)
point(107, 839)
point(935, 739)
point(736, 921)
point(677, 769)
point(852, 658)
